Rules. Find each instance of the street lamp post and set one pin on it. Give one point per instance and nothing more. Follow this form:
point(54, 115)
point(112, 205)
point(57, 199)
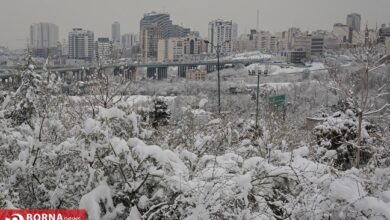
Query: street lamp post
point(218, 50)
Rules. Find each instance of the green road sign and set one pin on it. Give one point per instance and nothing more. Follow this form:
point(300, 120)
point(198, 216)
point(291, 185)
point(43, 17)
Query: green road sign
point(278, 102)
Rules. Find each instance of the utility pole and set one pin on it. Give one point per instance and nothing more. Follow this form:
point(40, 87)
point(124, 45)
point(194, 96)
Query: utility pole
point(257, 98)
point(218, 50)
point(219, 79)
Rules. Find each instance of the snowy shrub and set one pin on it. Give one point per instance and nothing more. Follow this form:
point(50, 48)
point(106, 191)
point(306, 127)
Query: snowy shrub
point(338, 132)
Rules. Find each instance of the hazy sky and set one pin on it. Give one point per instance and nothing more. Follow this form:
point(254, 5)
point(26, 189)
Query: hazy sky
point(16, 16)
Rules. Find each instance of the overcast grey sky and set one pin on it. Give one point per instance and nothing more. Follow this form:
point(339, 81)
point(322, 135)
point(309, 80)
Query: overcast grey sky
point(97, 15)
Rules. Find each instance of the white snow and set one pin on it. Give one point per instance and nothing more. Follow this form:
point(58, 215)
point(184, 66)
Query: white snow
point(252, 163)
point(276, 70)
point(385, 196)
point(302, 151)
point(248, 56)
point(110, 113)
point(166, 158)
point(143, 202)
point(202, 103)
point(134, 120)
point(276, 86)
point(90, 201)
point(16, 164)
point(91, 126)
point(119, 145)
point(346, 189)
point(134, 214)
point(373, 205)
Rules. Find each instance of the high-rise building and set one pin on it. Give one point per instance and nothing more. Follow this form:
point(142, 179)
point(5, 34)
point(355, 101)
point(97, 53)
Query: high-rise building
point(129, 40)
point(354, 21)
point(301, 42)
point(81, 44)
point(155, 26)
point(44, 38)
point(383, 33)
point(116, 33)
point(103, 48)
point(65, 47)
point(179, 31)
point(317, 45)
point(347, 34)
point(234, 31)
point(290, 36)
point(265, 42)
point(220, 33)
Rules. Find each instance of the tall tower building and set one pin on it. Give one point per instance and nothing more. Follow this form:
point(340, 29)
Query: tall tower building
point(220, 33)
point(155, 26)
point(129, 40)
point(44, 38)
point(234, 31)
point(81, 44)
point(354, 21)
point(116, 33)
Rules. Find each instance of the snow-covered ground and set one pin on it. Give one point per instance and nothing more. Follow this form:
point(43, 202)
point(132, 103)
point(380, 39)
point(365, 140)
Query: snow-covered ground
point(276, 86)
point(275, 69)
point(249, 55)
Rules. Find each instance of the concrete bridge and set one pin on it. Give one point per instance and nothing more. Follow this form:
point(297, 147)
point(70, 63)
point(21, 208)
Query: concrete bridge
point(128, 70)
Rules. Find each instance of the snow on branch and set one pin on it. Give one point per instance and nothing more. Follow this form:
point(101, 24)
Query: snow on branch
point(378, 110)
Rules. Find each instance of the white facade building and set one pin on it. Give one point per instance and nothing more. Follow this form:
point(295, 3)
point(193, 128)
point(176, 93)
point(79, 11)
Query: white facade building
point(103, 49)
point(44, 39)
point(44, 35)
point(220, 33)
point(81, 44)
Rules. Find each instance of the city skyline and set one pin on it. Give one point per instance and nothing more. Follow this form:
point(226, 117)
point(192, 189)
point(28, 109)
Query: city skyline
point(322, 14)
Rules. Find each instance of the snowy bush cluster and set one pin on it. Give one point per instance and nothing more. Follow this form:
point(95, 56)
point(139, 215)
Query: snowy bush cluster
point(119, 161)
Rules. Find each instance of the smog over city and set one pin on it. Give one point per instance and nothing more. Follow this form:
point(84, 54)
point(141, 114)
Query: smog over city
point(194, 109)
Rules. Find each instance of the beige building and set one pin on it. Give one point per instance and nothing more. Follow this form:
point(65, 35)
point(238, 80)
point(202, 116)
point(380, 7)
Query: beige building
point(262, 41)
point(243, 44)
point(266, 42)
point(171, 49)
point(175, 49)
point(301, 42)
point(196, 74)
